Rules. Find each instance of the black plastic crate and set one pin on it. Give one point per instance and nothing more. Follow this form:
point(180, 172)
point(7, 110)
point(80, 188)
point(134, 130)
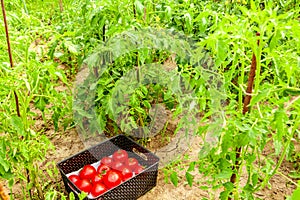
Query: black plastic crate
point(131, 189)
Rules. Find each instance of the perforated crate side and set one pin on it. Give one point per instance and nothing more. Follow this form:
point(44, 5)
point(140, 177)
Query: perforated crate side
point(132, 188)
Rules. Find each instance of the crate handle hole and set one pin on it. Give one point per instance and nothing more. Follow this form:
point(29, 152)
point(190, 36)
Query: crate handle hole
point(140, 154)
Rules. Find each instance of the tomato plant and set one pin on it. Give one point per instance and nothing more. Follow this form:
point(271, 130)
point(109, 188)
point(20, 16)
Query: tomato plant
point(50, 42)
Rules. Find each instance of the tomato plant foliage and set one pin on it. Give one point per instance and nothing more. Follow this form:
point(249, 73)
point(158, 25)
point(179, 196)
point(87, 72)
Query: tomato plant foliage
point(51, 41)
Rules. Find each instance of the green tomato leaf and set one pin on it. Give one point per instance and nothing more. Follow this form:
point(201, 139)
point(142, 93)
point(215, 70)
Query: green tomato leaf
point(229, 186)
point(189, 178)
point(72, 47)
point(147, 104)
point(140, 110)
point(10, 182)
point(139, 7)
point(294, 175)
point(296, 194)
point(224, 195)
point(174, 178)
point(224, 174)
point(140, 93)
point(71, 196)
point(40, 103)
point(17, 124)
point(4, 164)
point(254, 179)
point(280, 119)
point(261, 96)
point(191, 167)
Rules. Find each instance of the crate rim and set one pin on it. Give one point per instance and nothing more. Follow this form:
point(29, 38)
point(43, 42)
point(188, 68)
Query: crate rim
point(87, 149)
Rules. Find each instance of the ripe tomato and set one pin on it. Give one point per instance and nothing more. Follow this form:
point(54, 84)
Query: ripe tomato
point(126, 173)
point(107, 161)
point(97, 178)
point(87, 172)
point(120, 155)
point(139, 169)
point(103, 169)
point(132, 163)
point(84, 185)
point(98, 189)
point(74, 178)
point(117, 166)
point(112, 179)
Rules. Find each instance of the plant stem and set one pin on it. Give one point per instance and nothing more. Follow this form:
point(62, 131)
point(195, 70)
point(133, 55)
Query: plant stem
point(136, 53)
point(287, 178)
point(282, 156)
point(258, 65)
point(103, 33)
point(25, 7)
point(241, 80)
point(134, 10)
point(37, 183)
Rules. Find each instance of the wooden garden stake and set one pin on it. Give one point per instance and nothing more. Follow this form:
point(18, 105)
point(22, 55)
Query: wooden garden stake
point(61, 7)
point(250, 81)
point(10, 54)
point(12, 66)
point(246, 103)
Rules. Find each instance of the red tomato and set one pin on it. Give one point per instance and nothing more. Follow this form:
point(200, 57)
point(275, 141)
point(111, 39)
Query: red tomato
point(84, 185)
point(139, 169)
point(126, 173)
point(117, 166)
point(103, 169)
point(98, 189)
point(132, 163)
point(107, 161)
point(97, 178)
point(120, 155)
point(112, 179)
point(74, 178)
point(87, 172)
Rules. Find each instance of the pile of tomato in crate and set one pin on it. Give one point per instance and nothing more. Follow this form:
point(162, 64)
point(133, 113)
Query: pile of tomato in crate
point(95, 179)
